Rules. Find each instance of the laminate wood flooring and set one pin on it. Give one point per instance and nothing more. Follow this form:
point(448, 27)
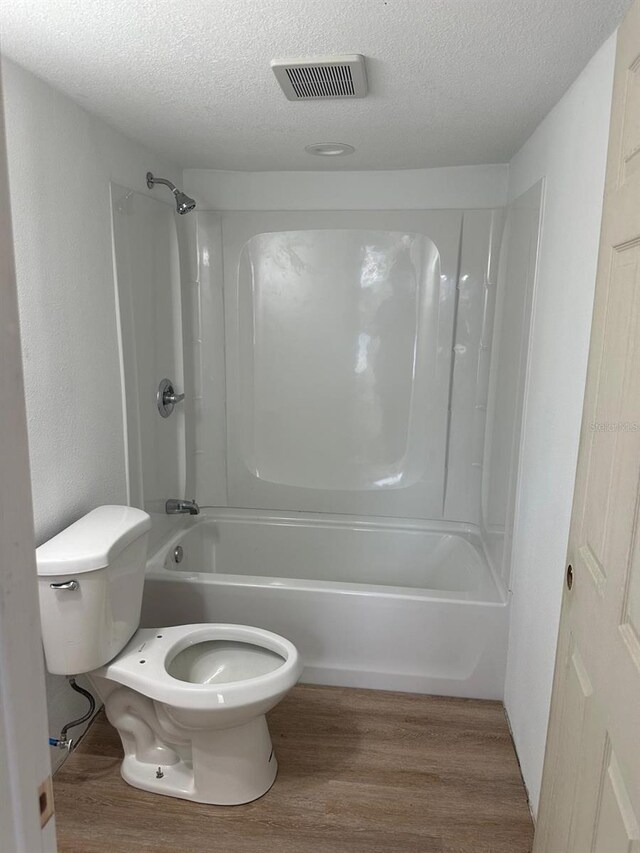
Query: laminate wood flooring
point(360, 771)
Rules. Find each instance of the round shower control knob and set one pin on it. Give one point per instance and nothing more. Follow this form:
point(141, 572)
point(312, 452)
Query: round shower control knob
point(166, 398)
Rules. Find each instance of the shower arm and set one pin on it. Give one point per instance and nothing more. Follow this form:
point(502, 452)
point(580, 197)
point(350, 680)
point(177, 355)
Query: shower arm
point(152, 181)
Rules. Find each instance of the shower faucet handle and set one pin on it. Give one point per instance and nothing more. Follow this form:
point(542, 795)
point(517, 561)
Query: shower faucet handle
point(166, 398)
point(172, 398)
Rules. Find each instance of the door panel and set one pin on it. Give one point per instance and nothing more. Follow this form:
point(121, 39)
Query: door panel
point(566, 751)
point(616, 824)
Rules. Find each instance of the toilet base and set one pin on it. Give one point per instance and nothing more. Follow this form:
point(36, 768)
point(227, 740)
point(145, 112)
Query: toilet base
point(227, 767)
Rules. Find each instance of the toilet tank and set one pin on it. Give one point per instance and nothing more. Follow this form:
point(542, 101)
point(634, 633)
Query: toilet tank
point(90, 580)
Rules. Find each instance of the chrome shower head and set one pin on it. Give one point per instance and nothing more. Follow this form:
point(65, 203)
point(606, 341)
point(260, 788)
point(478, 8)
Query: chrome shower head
point(183, 203)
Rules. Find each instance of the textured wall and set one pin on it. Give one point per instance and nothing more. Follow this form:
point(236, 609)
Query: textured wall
point(569, 151)
point(61, 160)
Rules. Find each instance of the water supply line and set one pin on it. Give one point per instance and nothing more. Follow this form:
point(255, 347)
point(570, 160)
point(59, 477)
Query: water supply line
point(64, 742)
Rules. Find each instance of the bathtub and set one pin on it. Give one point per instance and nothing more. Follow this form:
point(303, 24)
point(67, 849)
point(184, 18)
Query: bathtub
point(386, 604)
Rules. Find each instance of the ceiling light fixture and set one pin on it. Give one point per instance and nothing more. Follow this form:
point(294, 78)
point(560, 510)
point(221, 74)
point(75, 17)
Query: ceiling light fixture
point(330, 149)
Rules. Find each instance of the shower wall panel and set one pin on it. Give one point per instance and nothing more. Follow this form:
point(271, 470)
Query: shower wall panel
point(339, 330)
point(508, 374)
point(474, 328)
point(147, 266)
point(203, 306)
point(356, 346)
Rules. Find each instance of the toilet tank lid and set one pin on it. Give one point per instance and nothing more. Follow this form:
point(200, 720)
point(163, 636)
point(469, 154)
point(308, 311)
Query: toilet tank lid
point(93, 541)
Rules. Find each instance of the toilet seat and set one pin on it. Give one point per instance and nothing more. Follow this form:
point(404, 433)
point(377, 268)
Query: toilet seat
point(144, 664)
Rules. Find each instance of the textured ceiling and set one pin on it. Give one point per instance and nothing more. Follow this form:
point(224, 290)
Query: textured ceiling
point(451, 81)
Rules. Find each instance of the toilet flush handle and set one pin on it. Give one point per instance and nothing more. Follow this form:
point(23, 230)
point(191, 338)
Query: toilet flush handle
point(73, 585)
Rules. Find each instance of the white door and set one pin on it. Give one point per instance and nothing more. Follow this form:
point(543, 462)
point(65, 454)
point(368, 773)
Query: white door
point(26, 803)
point(591, 782)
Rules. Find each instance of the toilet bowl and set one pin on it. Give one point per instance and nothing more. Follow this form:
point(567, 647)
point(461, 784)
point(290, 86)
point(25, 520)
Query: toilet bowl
point(188, 701)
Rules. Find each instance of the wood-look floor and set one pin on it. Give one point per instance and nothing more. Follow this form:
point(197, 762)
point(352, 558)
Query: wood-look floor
point(361, 771)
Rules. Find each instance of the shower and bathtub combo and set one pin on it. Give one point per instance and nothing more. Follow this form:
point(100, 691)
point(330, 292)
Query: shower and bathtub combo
point(341, 394)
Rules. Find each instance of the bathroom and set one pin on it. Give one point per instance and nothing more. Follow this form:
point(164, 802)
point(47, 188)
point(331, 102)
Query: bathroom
point(320, 355)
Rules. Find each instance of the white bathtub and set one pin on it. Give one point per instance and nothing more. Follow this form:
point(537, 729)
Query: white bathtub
point(397, 605)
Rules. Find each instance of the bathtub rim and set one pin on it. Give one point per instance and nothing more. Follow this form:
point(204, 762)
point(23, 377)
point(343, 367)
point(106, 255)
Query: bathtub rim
point(169, 531)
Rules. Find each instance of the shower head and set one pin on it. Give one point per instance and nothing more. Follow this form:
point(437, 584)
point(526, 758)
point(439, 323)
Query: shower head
point(183, 203)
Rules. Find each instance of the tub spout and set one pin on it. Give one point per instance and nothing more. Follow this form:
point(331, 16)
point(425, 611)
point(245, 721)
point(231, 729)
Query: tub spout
point(177, 506)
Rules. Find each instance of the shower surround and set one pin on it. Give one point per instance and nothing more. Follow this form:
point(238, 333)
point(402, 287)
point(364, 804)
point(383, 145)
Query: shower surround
point(340, 373)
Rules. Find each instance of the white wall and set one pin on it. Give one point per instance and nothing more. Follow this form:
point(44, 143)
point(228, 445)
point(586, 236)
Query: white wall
point(61, 160)
point(569, 150)
point(465, 187)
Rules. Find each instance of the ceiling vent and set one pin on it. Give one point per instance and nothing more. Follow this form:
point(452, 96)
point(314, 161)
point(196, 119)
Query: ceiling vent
point(323, 77)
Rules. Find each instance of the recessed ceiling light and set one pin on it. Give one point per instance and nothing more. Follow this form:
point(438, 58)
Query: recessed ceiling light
point(330, 149)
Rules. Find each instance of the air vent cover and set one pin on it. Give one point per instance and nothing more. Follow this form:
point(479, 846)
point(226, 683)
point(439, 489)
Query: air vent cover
point(323, 77)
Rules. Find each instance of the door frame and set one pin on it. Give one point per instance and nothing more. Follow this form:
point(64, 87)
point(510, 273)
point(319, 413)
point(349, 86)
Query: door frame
point(27, 824)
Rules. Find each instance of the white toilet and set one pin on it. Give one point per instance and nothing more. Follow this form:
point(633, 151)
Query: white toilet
point(189, 701)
